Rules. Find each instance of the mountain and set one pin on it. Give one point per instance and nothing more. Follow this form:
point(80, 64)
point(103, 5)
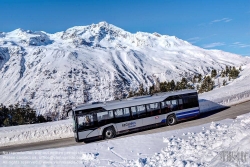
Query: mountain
point(94, 63)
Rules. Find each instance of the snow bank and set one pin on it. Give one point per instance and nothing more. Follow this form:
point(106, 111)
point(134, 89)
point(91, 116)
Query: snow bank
point(210, 146)
point(237, 91)
point(35, 132)
point(218, 144)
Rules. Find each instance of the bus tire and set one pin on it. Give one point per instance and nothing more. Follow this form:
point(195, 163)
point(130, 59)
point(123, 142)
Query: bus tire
point(109, 133)
point(171, 120)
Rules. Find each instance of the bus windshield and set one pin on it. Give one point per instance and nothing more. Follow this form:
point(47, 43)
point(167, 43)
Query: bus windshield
point(85, 121)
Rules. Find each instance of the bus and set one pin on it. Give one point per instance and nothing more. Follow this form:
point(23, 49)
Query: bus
point(105, 120)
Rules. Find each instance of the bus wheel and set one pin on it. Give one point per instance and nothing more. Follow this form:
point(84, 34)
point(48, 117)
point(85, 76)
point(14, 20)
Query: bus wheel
point(171, 120)
point(109, 133)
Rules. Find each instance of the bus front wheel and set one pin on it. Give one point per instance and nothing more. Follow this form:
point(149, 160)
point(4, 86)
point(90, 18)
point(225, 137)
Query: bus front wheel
point(171, 120)
point(109, 133)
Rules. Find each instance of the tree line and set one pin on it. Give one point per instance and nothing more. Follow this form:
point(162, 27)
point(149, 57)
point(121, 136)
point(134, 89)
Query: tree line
point(203, 83)
point(161, 87)
point(19, 115)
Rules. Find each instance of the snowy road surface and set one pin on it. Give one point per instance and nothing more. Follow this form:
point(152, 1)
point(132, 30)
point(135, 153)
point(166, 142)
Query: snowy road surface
point(231, 112)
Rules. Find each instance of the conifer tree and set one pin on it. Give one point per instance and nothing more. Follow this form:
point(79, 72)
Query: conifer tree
point(30, 114)
point(168, 88)
point(172, 85)
point(207, 85)
point(184, 83)
point(141, 90)
point(178, 86)
point(213, 73)
point(223, 74)
point(227, 71)
point(234, 73)
point(130, 94)
point(6, 122)
point(163, 86)
point(40, 119)
point(151, 89)
point(199, 78)
point(194, 79)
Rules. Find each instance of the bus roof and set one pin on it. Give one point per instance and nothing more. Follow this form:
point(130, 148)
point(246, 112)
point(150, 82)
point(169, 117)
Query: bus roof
point(133, 101)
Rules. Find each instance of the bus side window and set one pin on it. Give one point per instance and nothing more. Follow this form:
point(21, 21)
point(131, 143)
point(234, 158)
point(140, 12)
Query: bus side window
point(168, 103)
point(157, 109)
point(118, 113)
point(133, 112)
point(141, 110)
point(104, 117)
point(122, 114)
point(163, 107)
point(174, 105)
point(180, 104)
point(126, 112)
point(185, 103)
point(110, 113)
point(149, 110)
point(166, 106)
point(153, 109)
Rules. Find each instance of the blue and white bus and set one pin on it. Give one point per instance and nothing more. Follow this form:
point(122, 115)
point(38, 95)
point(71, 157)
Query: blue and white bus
point(105, 120)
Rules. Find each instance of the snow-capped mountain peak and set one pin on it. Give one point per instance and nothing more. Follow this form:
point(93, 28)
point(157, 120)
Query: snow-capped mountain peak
point(95, 63)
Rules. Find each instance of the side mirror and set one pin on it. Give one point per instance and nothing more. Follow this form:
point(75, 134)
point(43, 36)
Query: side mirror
point(69, 113)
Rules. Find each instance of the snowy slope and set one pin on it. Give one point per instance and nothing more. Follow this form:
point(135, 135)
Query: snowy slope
point(234, 92)
point(94, 63)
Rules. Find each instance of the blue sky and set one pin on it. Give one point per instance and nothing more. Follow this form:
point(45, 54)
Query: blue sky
point(210, 24)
